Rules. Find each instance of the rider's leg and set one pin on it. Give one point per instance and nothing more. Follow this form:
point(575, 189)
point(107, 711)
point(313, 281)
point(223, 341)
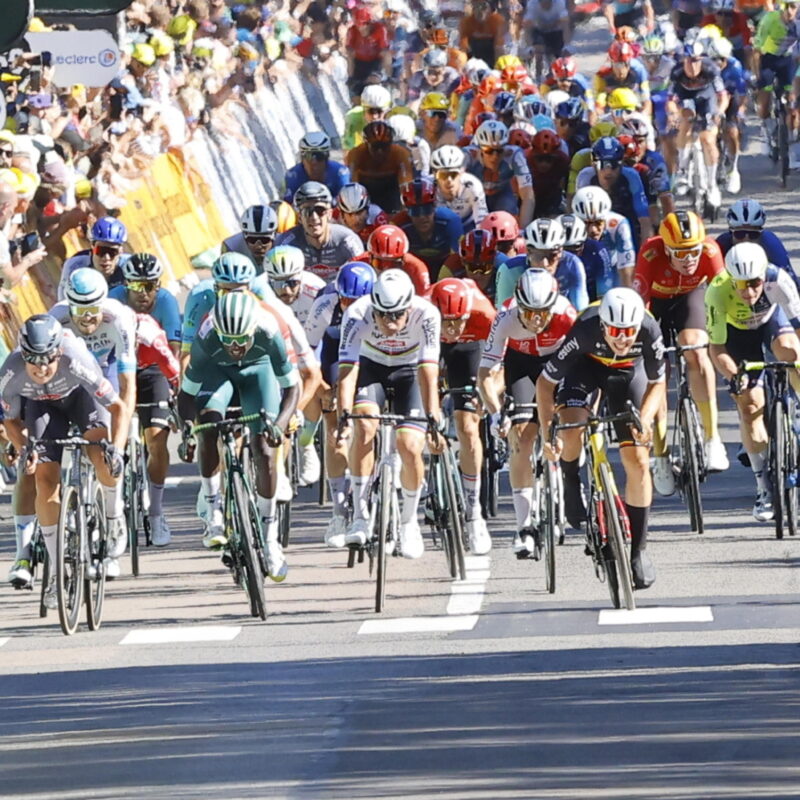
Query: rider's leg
point(750, 404)
point(786, 347)
point(362, 459)
point(336, 466)
point(520, 439)
point(470, 458)
point(410, 444)
point(702, 379)
point(48, 502)
point(157, 466)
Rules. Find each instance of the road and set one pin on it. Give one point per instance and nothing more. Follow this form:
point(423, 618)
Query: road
point(485, 689)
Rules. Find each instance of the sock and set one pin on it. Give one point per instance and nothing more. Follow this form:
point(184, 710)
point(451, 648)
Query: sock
point(757, 463)
point(523, 506)
point(683, 157)
point(115, 505)
point(23, 531)
point(156, 499)
point(338, 488)
point(472, 492)
point(735, 165)
point(708, 416)
point(711, 172)
point(307, 432)
point(360, 496)
point(660, 447)
point(266, 508)
point(49, 533)
point(211, 487)
point(638, 518)
point(410, 504)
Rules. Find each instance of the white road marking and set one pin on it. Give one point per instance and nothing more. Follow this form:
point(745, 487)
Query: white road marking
point(655, 615)
point(207, 633)
point(419, 625)
point(180, 480)
point(3, 641)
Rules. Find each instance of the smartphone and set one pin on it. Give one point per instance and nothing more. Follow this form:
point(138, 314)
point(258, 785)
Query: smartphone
point(47, 58)
point(116, 106)
point(30, 242)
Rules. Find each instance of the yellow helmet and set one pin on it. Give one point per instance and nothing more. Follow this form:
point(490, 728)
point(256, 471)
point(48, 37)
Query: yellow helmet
point(601, 129)
point(507, 61)
point(161, 43)
point(286, 215)
point(403, 110)
point(710, 32)
point(682, 229)
point(434, 101)
point(623, 99)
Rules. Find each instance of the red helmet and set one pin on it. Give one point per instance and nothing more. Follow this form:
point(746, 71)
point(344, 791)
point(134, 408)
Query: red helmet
point(502, 225)
point(620, 52)
point(453, 298)
point(519, 138)
point(477, 247)
point(378, 131)
point(362, 16)
point(564, 68)
point(546, 143)
point(514, 74)
point(388, 241)
point(419, 192)
point(629, 143)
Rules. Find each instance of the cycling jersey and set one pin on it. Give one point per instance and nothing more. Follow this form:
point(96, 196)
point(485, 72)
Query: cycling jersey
point(772, 35)
point(725, 307)
point(773, 247)
point(381, 172)
point(79, 261)
point(570, 275)
point(657, 180)
point(469, 203)
point(418, 84)
point(370, 47)
point(598, 263)
point(336, 176)
point(502, 186)
point(734, 79)
point(481, 316)
point(152, 349)
point(636, 79)
point(310, 287)
point(416, 344)
point(661, 76)
point(618, 239)
point(376, 217)
point(453, 267)
point(708, 80)
point(165, 310)
point(579, 86)
point(444, 239)
point(341, 246)
point(237, 244)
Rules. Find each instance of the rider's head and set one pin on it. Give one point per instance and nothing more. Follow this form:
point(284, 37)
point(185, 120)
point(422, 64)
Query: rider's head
point(40, 346)
point(387, 245)
point(544, 241)
point(107, 237)
point(683, 234)
point(536, 293)
point(492, 138)
point(315, 152)
point(593, 205)
point(747, 264)
point(86, 292)
point(259, 225)
point(621, 314)
point(607, 154)
point(284, 266)
point(142, 273)
point(391, 295)
point(419, 198)
point(746, 220)
point(235, 317)
point(447, 164)
point(620, 54)
point(354, 280)
point(232, 272)
point(454, 298)
point(353, 205)
point(693, 53)
point(313, 202)
point(478, 249)
point(788, 9)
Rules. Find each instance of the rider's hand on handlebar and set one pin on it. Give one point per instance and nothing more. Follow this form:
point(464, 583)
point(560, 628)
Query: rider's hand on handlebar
point(114, 460)
point(344, 429)
point(273, 434)
point(499, 425)
point(644, 433)
point(31, 460)
point(436, 440)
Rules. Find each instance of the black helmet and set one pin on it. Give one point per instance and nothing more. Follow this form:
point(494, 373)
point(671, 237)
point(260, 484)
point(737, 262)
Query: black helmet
point(41, 335)
point(142, 267)
point(312, 192)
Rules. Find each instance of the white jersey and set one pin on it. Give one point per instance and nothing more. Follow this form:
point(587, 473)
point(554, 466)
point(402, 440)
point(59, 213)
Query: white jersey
point(309, 289)
point(469, 203)
point(545, 19)
point(417, 343)
point(321, 317)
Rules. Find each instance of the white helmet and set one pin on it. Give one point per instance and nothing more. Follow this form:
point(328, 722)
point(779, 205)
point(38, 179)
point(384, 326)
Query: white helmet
point(315, 142)
point(622, 307)
point(746, 214)
point(86, 287)
point(376, 97)
point(746, 261)
point(536, 288)
point(591, 202)
point(556, 96)
point(545, 234)
point(352, 198)
point(392, 291)
point(447, 157)
point(476, 69)
point(719, 48)
point(574, 229)
point(259, 221)
point(284, 261)
point(404, 127)
point(491, 133)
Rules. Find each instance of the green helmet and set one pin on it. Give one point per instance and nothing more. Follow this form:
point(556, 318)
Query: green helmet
point(235, 314)
point(653, 45)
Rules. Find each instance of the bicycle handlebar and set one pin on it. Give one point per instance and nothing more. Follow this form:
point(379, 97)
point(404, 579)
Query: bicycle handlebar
point(682, 348)
point(229, 422)
point(631, 415)
point(755, 366)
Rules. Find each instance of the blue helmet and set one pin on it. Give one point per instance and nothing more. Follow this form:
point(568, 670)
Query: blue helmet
point(86, 287)
point(108, 229)
point(233, 268)
point(571, 109)
point(355, 279)
point(607, 148)
point(504, 102)
point(542, 122)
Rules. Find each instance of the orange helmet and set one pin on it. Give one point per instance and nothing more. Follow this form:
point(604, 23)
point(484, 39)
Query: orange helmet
point(620, 52)
point(488, 86)
point(439, 37)
point(546, 143)
point(514, 74)
point(564, 68)
point(627, 141)
point(682, 229)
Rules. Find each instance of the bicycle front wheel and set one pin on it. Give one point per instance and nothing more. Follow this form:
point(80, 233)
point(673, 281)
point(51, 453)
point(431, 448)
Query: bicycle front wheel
point(690, 466)
point(94, 588)
point(384, 532)
point(616, 537)
point(792, 490)
point(69, 560)
point(254, 582)
point(777, 465)
point(455, 518)
point(550, 527)
point(130, 493)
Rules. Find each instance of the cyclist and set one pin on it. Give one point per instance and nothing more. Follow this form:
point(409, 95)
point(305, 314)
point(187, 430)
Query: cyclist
point(48, 383)
point(623, 71)
point(615, 346)
point(437, 130)
point(375, 102)
point(315, 165)
point(564, 75)
point(544, 240)
point(597, 259)
point(583, 158)
point(434, 76)
point(259, 225)
point(388, 248)
point(325, 244)
point(659, 65)
point(549, 165)
point(389, 339)
point(367, 48)
point(475, 260)
point(734, 27)
point(107, 238)
point(672, 272)
point(656, 180)
point(525, 332)
point(571, 125)
point(504, 228)
point(467, 316)
point(355, 211)
point(637, 14)
point(323, 329)
point(404, 130)
point(751, 307)
point(457, 190)
point(502, 170)
point(547, 28)
point(482, 32)
point(239, 346)
point(463, 95)
point(438, 38)
point(292, 284)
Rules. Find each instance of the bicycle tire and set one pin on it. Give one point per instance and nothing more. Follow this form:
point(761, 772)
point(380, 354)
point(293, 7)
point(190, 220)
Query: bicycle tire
point(440, 514)
point(777, 468)
point(455, 515)
point(550, 532)
point(69, 560)
point(783, 147)
point(690, 466)
point(792, 490)
point(254, 582)
point(283, 510)
point(45, 562)
point(142, 491)
point(319, 443)
point(384, 520)
point(94, 589)
point(130, 494)
point(616, 537)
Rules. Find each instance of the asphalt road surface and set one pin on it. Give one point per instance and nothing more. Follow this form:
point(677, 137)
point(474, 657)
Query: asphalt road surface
point(490, 688)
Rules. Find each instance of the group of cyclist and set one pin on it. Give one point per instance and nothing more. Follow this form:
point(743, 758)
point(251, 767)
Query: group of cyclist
point(516, 240)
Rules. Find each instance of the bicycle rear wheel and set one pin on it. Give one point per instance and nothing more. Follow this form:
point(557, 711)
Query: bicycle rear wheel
point(94, 589)
point(130, 493)
point(384, 521)
point(254, 582)
point(690, 466)
point(455, 519)
point(69, 560)
point(616, 537)
point(783, 147)
point(792, 490)
point(777, 465)
point(550, 526)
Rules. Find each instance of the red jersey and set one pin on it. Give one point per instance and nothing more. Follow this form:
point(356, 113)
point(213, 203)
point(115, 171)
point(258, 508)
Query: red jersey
point(416, 270)
point(153, 350)
point(656, 277)
point(370, 47)
point(481, 316)
point(376, 217)
point(737, 29)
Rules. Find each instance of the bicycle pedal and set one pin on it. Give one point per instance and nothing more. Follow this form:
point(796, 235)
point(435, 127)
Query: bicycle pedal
point(226, 558)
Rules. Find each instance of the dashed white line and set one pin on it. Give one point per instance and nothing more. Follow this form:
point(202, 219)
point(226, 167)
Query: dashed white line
point(419, 625)
point(179, 480)
point(655, 615)
point(200, 633)
point(3, 641)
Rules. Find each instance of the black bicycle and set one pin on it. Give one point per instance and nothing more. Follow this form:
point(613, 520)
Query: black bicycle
point(38, 558)
point(779, 146)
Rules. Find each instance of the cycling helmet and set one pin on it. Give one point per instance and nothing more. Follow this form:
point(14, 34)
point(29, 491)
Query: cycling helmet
point(556, 96)
point(404, 128)
point(392, 291)
point(542, 122)
point(601, 129)
point(419, 192)
point(142, 267)
point(507, 60)
point(439, 37)
point(259, 221)
point(682, 229)
point(435, 59)
point(388, 241)
point(284, 213)
point(355, 279)
point(653, 45)
point(504, 102)
point(536, 289)
point(492, 133)
point(571, 109)
point(428, 18)
point(591, 202)
point(630, 146)
point(564, 68)
point(620, 52)
point(720, 48)
point(376, 97)
point(626, 34)
point(477, 247)
point(530, 106)
point(623, 99)
point(362, 16)
point(476, 70)
point(484, 116)
point(453, 297)
point(502, 225)
point(519, 137)
point(545, 234)
point(233, 268)
point(574, 230)
point(607, 149)
point(447, 156)
point(284, 261)
point(315, 142)
point(434, 101)
point(622, 307)
point(313, 192)
point(746, 213)
point(746, 261)
point(546, 143)
point(352, 198)
point(40, 336)
point(635, 126)
point(86, 287)
point(108, 229)
point(235, 314)
point(514, 75)
point(378, 131)
point(693, 49)
point(489, 85)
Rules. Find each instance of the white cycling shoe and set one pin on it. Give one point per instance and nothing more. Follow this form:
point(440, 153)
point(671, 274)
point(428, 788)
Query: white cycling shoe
point(309, 465)
point(411, 543)
point(277, 567)
point(734, 182)
point(716, 455)
point(51, 594)
point(214, 536)
point(335, 535)
point(117, 539)
point(663, 475)
point(160, 534)
point(20, 573)
point(358, 532)
point(480, 542)
point(763, 510)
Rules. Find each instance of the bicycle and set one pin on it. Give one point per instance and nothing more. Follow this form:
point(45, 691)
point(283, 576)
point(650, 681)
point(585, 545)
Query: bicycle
point(783, 456)
point(779, 146)
point(38, 555)
point(607, 524)
point(245, 553)
point(549, 498)
point(690, 464)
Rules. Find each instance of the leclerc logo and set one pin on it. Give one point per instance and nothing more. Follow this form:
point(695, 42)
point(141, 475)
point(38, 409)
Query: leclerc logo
point(107, 58)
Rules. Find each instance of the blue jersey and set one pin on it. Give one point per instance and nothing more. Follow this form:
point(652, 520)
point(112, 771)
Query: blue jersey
point(336, 176)
point(657, 177)
point(447, 230)
point(165, 311)
point(598, 264)
point(773, 247)
point(734, 78)
point(570, 275)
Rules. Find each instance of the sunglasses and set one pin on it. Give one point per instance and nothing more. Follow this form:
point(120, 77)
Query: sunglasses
point(741, 234)
point(551, 254)
point(257, 239)
point(85, 311)
point(373, 111)
point(7, 153)
point(492, 151)
point(617, 332)
point(753, 283)
point(231, 287)
point(392, 316)
point(682, 253)
point(438, 114)
point(478, 268)
point(284, 283)
point(106, 250)
point(540, 315)
point(317, 155)
point(142, 286)
point(386, 263)
point(608, 164)
point(595, 222)
point(234, 340)
point(314, 211)
point(450, 174)
point(40, 359)
point(424, 210)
